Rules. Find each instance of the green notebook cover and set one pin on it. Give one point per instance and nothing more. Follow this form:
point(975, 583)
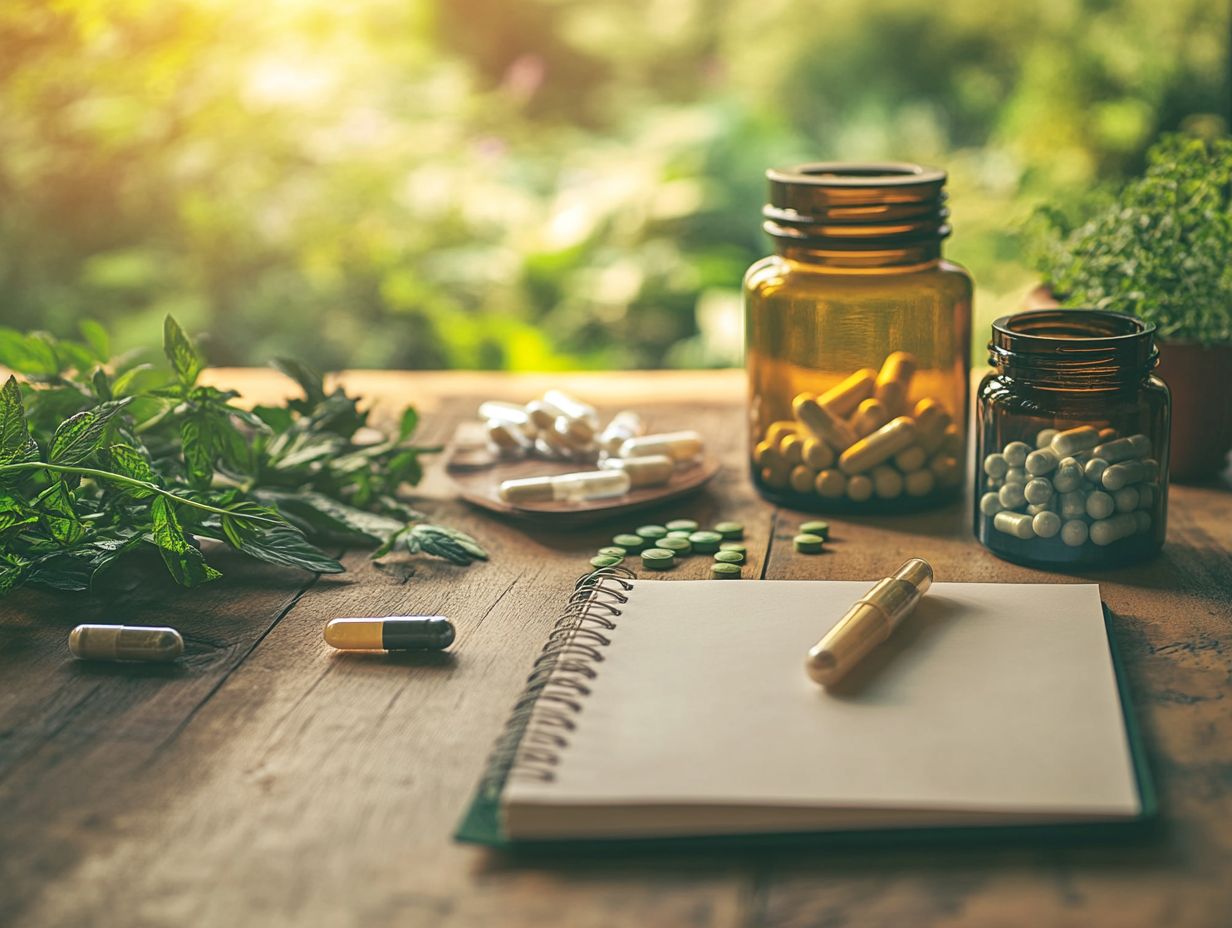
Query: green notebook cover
point(481, 823)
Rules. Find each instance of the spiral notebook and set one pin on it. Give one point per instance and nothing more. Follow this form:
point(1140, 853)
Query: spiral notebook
point(680, 709)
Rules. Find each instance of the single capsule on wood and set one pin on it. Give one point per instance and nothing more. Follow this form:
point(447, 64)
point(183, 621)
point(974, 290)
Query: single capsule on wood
point(395, 633)
point(125, 643)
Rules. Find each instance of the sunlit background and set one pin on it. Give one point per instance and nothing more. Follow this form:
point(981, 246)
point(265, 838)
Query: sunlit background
point(535, 184)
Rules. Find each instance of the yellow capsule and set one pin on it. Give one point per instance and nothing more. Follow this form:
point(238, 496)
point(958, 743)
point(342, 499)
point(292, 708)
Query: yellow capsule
point(931, 420)
point(791, 449)
point(879, 447)
point(919, 482)
point(860, 488)
point(778, 430)
point(395, 633)
point(823, 423)
point(816, 454)
point(776, 474)
point(952, 441)
point(870, 416)
point(802, 478)
point(946, 469)
point(831, 484)
point(844, 398)
point(887, 482)
point(125, 643)
point(910, 459)
point(894, 381)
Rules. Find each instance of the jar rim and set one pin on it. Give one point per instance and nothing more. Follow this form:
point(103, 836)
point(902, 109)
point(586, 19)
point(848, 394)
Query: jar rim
point(1069, 329)
point(857, 174)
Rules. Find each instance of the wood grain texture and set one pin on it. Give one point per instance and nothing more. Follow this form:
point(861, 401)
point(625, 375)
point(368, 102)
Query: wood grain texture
point(270, 781)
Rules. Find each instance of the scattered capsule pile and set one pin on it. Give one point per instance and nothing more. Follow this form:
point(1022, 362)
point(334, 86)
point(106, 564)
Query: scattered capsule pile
point(559, 427)
point(661, 546)
point(864, 439)
point(1083, 485)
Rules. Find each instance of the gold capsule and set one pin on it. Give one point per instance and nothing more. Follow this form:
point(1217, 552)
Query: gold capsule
point(894, 381)
point(879, 447)
point(802, 478)
point(870, 416)
point(843, 399)
point(125, 643)
point(822, 423)
point(395, 633)
point(817, 454)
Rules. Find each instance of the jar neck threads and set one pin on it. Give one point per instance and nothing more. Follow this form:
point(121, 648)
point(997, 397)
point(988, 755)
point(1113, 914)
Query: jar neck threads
point(1074, 349)
point(858, 216)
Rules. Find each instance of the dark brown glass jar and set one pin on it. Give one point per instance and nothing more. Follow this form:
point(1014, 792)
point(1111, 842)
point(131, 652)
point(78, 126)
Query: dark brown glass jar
point(1072, 454)
point(857, 338)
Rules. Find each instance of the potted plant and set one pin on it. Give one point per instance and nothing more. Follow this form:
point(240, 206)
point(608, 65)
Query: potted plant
point(1160, 249)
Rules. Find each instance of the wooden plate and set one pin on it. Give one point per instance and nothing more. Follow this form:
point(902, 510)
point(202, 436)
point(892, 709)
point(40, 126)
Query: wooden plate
point(478, 474)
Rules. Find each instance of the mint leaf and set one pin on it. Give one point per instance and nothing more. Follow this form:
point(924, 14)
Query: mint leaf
point(82, 435)
point(128, 461)
point(27, 354)
point(198, 449)
point(16, 445)
point(185, 360)
point(56, 506)
point(185, 563)
point(312, 383)
point(277, 544)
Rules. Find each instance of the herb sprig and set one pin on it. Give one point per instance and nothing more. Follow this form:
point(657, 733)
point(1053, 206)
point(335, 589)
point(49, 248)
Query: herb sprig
point(103, 457)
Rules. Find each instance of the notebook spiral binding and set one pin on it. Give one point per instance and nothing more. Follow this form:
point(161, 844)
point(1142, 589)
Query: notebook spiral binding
point(544, 713)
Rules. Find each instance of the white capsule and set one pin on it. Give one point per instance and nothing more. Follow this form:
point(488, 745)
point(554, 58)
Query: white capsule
point(586, 485)
point(1067, 443)
point(1068, 476)
point(887, 482)
point(570, 407)
point(507, 438)
point(859, 488)
point(500, 411)
point(1100, 505)
point(542, 415)
point(625, 424)
point(1046, 524)
point(1016, 453)
point(990, 504)
point(1016, 475)
point(1045, 437)
point(1125, 473)
point(649, 471)
point(679, 446)
point(1125, 499)
point(1106, 531)
point(1073, 504)
point(1042, 461)
point(995, 465)
point(1038, 490)
point(1094, 469)
point(1074, 533)
point(1123, 449)
point(578, 434)
point(1017, 524)
point(1012, 495)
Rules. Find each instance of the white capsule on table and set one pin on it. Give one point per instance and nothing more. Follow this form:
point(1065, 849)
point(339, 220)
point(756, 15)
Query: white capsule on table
point(1012, 495)
point(1071, 441)
point(500, 411)
point(1125, 473)
point(1074, 533)
point(990, 504)
point(910, 459)
point(1125, 499)
point(1073, 504)
point(1123, 449)
point(1068, 476)
point(1106, 531)
point(1016, 475)
point(571, 407)
point(995, 465)
point(1046, 524)
point(585, 485)
point(679, 446)
point(859, 488)
point(1094, 469)
point(802, 478)
point(507, 438)
point(1100, 505)
point(1038, 490)
point(625, 424)
point(1044, 438)
point(1042, 461)
point(542, 416)
point(1017, 524)
point(1016, 453)
point(578, 434)
point(1142, 521)
point(919, 482)
point(887, 482)
point(649, 471)
point(831, 483)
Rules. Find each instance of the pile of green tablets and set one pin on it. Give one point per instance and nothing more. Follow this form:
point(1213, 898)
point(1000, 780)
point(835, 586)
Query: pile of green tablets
point(659, 546)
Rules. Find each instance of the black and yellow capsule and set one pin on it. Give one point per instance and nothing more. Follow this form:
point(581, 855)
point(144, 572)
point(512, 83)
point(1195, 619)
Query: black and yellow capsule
point(395, 633)
point(124, 643)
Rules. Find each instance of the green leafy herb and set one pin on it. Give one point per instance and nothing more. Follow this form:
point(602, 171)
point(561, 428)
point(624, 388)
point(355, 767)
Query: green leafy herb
point(1161, 249)
point(99, 459)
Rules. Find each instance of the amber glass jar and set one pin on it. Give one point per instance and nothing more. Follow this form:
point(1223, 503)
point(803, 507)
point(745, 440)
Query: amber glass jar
point(857, 335)
point(1072, 456)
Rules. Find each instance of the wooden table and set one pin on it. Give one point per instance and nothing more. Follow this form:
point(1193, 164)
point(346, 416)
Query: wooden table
point(267, 781)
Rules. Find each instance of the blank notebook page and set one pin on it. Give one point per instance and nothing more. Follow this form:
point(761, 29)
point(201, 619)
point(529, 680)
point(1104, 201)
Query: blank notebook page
point(992, 703)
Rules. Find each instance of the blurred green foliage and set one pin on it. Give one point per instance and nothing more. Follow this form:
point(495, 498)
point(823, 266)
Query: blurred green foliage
point(541, 184)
